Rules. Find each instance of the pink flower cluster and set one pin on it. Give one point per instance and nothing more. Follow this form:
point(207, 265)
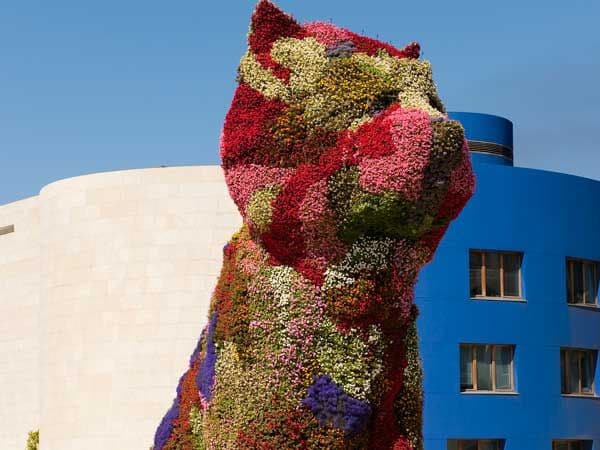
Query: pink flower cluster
point(404, 169)
point(245, 179)
point(327, 34)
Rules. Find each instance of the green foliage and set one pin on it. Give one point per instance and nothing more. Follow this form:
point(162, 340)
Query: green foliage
point(196, 427)
point(384, 215)
point(410, 402)
point(374, 215)
point(342, 186)
point(259, 209)
point(349, 90)
point(33, 440)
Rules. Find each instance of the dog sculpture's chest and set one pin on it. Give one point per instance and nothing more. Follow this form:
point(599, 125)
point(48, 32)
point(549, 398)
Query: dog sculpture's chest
point(290, 347)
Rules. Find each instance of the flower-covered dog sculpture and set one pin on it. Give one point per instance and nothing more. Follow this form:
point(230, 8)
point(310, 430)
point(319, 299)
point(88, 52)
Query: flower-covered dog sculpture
point(347, 173)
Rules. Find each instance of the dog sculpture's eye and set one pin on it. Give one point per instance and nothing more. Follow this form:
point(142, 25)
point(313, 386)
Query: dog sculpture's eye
point(435, 102)
point(383, 101)
point(342, 50)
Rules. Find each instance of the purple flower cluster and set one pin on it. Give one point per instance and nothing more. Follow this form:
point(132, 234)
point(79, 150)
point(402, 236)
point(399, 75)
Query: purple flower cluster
point(166, 425)
point(198, 348)
point(163, 432)
point(333, 407)
point(343, 49)
point(206, 375)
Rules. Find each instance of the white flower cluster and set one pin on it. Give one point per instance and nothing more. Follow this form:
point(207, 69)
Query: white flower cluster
point(350, 361)
point(261, 79)
point(235, 397)
point(281, 279)
point(334, 278)
point(196, 421)
point(368, 254)
point(307, 60)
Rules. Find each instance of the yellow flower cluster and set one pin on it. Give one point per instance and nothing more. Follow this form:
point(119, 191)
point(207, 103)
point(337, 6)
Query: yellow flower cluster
point(259, 210)
point(261, 79)
point(343, 92)
point(412, 77)
point(196, 423)
point(236, 400)
point(307, 60)
point(33, 440)
point(346, 93)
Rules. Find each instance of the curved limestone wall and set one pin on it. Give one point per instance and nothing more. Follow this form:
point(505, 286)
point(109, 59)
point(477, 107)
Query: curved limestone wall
point(103, 302)
point(19, 322)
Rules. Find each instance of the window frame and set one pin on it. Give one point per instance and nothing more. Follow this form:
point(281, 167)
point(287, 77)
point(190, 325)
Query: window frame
point(494, 390)
point(593, 355)
point(7, 229)
point(571, 281)
point(581, 444)
point(461, 442)
point(483, 275)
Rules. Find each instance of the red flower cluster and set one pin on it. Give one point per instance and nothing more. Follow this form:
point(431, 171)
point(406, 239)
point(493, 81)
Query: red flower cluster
point(331, 35)
point(181, 436)
point(247, 132)
point(372, 46)
point(294, 429)
point(269, 23)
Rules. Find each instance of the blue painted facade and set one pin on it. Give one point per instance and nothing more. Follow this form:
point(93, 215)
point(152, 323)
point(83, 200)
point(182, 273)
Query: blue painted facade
point(549, 217)
point(486, 128)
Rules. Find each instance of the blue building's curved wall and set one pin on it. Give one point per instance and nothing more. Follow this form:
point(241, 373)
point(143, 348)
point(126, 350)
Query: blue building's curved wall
point(491, 136)
point(485, 127)
point(547, 216)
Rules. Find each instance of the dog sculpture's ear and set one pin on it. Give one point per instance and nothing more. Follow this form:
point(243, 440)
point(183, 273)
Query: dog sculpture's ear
point(270, 23)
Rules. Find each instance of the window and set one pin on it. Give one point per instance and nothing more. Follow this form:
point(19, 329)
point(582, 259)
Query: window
point(577, 368)
point(486, 368)
point(571, 445)
point(495, 274)
point(475, 444)
point(582, 282)
point(7, 229)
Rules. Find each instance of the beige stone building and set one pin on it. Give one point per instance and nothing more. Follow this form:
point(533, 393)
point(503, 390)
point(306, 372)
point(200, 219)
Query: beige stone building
point(105, 283)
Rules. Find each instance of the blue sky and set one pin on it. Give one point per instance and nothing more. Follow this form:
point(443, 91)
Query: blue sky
point(90, 86)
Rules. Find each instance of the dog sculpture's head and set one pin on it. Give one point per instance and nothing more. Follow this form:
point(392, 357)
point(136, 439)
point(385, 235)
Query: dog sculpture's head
point(333, 137)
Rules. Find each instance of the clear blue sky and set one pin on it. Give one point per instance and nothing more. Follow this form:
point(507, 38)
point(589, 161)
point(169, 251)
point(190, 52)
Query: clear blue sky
point(89, 86)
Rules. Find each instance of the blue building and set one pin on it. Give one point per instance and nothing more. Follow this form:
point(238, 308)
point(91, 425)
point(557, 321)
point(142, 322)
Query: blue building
point(510, 323)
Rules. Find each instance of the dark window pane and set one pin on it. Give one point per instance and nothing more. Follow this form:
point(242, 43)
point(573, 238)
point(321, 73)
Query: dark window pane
point(577, 445)
point(512, 264)
point(469, 445)
point(577, 282)
point(475, 262)
point(492, 275)
point(488, 444)
point(587, 372)
point(563, 373)
point(484, 367)
point(573, 381)
point(466, 368)
point(561, 445)
point(590, 283)
point(503, 359)
point(452, 444)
